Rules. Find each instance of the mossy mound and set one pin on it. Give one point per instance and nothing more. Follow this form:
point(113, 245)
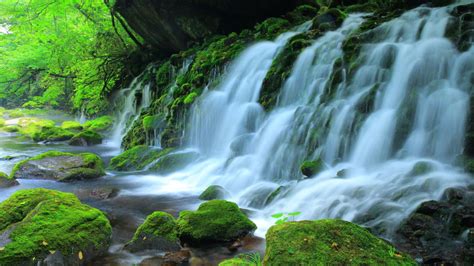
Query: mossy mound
point(71, 125)
point(86, 138)
point(52, 134)
point(100, 124)
point(136, 158)
point(39, 223)
point(60, 166)
point(6, 181)
point(328, 242)
point(236, 262)
point(310, 168)
point(2, 122)
point(158, 232)
point(215, 221)
point(213, 192)
point(11, 129)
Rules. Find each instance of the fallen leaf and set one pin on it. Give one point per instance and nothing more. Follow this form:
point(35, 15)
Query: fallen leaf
point(80, 255)
point(52, 251)
point(45, 243)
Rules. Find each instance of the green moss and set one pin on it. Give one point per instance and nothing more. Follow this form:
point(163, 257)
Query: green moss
point(328, 242)
point(7, 181)
point(86, 138)
point(420, 168)
point(213, 192)
point(310, 168)
point(137, 158)
point(71, 125)
point(2, 122)
point(150, 122)
point(190, 98)
point(11, 129)
point(51, 134)
point(236, 262)
point(102, 123)
point(40, 222)
point(93, 163)
point(15, 113)
point(159, 231)
point(214, 221)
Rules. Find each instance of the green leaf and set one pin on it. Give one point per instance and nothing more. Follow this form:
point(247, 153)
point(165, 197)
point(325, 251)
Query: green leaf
point(277, 215)
point(291, 214)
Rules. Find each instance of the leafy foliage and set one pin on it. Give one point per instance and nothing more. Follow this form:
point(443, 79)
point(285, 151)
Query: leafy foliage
point(59, 54)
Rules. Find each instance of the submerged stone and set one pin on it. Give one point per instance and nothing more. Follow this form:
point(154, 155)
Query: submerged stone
point(213, 192)
point(40, 225)
point(215, 221)
point(328, 242)
point(158, 232)
point(60, 166)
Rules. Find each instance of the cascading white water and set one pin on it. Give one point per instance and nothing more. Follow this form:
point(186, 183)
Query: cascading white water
point(412, 81)
point(131, 107)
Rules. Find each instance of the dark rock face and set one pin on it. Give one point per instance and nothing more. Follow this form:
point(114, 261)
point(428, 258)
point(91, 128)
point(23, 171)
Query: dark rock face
point(170, 25)
point(441, 232)
point(61, 168)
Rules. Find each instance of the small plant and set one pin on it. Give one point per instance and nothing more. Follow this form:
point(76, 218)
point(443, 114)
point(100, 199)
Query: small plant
point(285, 217)
point(392, 252)
point(254, 259)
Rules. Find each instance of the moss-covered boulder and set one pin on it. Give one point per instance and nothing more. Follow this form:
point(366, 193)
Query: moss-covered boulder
point(52, 134)
point(71, 125)
point(136, 158)
point(11, 128)
point(310, 168)
point(86, 138)
point(40, 224)
point(328, 242)
point(215, 221)
point(213, 192)
point(6, 181)
point(60, 166)
point(2, 122)
point(100, 124)
point(158, 232)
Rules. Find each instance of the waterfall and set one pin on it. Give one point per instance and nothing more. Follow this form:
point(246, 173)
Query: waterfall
point(132, 101)
point(389, 133)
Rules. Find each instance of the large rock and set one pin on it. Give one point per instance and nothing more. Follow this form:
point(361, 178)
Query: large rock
point(136, 158)
point(171, 25)
point(328, 242)
point(6, 181)
point(86, 138)
point(44, 226)
point(158, 232)
point(215, 221)
point(60, 166)
point(432, 231)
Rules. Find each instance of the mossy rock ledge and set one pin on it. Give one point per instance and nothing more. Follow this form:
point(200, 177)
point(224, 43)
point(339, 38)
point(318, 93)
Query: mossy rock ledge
point(213, 192)
point(215, 221)
point(136, 158)
point(6, 181)
point(86, 138)
point(47, 227)
point(158, 232)
point(60, 166)
point(329, 242)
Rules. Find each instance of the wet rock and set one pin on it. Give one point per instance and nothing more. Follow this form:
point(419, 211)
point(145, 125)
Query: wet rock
point(310, 168)
point(158, 232)
point(173, 161)
point(432, 231)
point(328, 242)
point(86, 138)
point(6, 181)
point(60, 166)
point(137, 158)
point(97, 193)
point(42, 224)
point(178, 257)
point(215, 221)
point(213, 192)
